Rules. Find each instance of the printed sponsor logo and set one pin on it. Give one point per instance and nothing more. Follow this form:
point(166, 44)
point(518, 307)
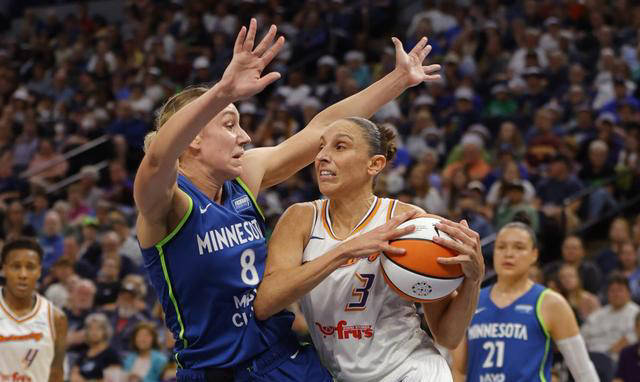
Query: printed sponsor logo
point(242, 203)
point(526, 309)
point(344, 332)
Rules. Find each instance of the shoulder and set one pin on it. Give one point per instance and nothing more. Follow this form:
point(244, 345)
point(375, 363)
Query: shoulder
point(300, 211)
point(554, 306)
point(402, 207)
point(552, 299)
point(298, 218)
point(59, 319)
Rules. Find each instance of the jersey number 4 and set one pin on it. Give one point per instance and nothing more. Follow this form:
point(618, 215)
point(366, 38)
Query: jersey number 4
point(362, 293)
point(496, 352)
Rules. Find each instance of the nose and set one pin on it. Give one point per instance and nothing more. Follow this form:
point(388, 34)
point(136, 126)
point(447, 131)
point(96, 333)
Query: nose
point(243, 137)
point(323, 155)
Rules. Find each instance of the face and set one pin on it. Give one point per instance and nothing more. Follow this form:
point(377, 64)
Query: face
point(95, 332)
point(568, 277)
point(514, 253)
point(220, 145)
point(21, 270)
point(628, 257)
point(618, 295)
point(572, 250)
point(144, 339)
point(343, 162)
point(619, 231)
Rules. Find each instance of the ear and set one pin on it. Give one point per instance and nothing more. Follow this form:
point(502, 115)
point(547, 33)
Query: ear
point(195, 144)
point(536, 253)
point(376, 164)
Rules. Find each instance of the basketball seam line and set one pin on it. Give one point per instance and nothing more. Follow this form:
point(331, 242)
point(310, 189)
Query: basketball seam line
point(420, 273)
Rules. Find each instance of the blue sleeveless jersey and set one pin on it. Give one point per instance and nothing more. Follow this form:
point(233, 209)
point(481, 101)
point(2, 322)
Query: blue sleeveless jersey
point(205, 274)
point(509, 344)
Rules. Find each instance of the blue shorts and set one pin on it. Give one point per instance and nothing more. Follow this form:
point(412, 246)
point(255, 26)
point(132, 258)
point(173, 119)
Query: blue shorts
point(287, 361)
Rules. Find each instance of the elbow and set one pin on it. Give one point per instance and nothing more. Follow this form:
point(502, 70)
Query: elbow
point(447, 341)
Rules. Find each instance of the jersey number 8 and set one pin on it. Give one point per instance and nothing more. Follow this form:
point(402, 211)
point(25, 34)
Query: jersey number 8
point(249, 273)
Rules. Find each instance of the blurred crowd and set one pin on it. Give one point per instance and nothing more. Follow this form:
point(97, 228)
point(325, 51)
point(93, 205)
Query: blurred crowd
point(536, 118)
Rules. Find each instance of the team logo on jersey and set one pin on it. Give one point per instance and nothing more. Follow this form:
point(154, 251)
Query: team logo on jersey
point(526, 309)
point(25, 337)
point(242, 203)
point(15, 377)
point(345, 332)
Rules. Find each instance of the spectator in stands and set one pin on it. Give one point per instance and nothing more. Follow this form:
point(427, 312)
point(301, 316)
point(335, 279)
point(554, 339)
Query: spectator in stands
point(14, 224)
point(51, 240)
point(619, 233)
point(573, 254)
point(124, 315)
point(145, 362)
point(582, 302)
point(47, 164)
point(100, 359)
point(426, 196)
point(513, 205)
point(628, 266)
point(560, 185)
point(471, 160)
point(80, 305)
point(611, 328)
point(628, 368)
point(35, 217)
point(510, 174)
point(129, 247)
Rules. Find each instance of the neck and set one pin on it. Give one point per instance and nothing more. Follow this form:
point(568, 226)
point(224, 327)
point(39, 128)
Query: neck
point(144, 353)
point(97, 347)
point(205, 183)
point(347, 210)
point(18, 303)
point(512, 285)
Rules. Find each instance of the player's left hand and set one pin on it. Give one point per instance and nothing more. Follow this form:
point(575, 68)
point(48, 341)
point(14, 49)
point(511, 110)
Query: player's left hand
point(410, 64)
point(466, 244)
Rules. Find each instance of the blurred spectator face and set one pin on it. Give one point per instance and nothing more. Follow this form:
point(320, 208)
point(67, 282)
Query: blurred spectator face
point(471, 153)
point(507, 131)
point(569, 278)
point(459, 180)
point(417, 178)
point(511, 172)
point(95, 333)
point(543, 120)
point(619, 231)
point(52, 224)
point(124, 110)
point(71, 247)
point(598, 151)
point(83, 293)
point(110, 242)
point(89, 232)
point(117, 173)
point(296, 79)
point(576, 74)
point(628, 256)
point(618, 295)
point(576, 95)
point(515, 195)
point(62, 270)
point(558, 170)
point(6, 165)
point(535, 274)
point(572, 250)
point(15, 214)
point(144, 339)
point(110, 269)
point(464, 105)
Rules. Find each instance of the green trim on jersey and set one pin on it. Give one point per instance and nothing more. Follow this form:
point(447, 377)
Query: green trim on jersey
point(546, 334)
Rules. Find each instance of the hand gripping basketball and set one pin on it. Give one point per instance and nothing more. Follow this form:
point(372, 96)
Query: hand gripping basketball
point(377, 240)
point(466, 245)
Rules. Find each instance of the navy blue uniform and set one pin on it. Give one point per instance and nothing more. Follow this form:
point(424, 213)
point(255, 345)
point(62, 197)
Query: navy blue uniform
point(511, 343)
point(206, 273)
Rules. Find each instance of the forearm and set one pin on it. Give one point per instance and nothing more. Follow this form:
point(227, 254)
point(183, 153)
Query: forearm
point(56, 374)
point(456, 317)
point(283, 287)
point(366, 102)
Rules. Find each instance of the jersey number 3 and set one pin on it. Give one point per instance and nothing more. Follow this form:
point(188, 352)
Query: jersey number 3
point(366, 280)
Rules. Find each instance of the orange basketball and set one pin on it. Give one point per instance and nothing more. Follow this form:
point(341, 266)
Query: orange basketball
point(416, 275)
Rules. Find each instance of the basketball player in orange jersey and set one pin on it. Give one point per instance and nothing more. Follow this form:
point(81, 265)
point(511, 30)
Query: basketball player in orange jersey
point(516, 319)
point(33, 331)
point(326, 254)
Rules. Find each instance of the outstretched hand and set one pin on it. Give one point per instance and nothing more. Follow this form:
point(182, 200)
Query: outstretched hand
point(410, 64)
point(243, 77)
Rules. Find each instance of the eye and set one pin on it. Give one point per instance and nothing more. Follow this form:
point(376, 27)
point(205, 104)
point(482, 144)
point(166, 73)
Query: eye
point(340, 146)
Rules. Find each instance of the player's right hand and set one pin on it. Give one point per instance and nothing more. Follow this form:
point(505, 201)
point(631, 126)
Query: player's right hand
point(377, 240)
point(243, 77)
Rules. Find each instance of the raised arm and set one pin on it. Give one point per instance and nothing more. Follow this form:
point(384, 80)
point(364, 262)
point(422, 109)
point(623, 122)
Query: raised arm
point(60, 346)
point(268, 166)
point(286, 279)
point(155, 183)
point(561, 324)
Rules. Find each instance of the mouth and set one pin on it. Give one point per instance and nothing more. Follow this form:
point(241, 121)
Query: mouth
point(238, 155)
point(326, 174)
point(508, 265)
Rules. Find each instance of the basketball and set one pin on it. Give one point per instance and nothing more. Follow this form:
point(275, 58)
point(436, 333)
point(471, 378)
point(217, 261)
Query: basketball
point(416, 275)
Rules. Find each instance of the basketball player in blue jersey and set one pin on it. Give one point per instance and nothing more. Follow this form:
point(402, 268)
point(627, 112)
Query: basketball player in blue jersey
point(325, 253)
point(516, 319)
point(201, 231)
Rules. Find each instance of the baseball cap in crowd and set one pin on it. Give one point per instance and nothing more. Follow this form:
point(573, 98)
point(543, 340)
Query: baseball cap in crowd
point(423, 100)
point(515, 184)
point(327, 60)
point(354, 55)
point(451, 58)
point(201, 62)
point(464, 92)
point(433, 131)
point(90, 221)
point(561, 158)
point(551, 21)
point(129, 287)
point(22, 94)
point(532, 71)
point(476, 185)
point(481, 131)
point(607, 117)
point(499, 88)
point(247, 108)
